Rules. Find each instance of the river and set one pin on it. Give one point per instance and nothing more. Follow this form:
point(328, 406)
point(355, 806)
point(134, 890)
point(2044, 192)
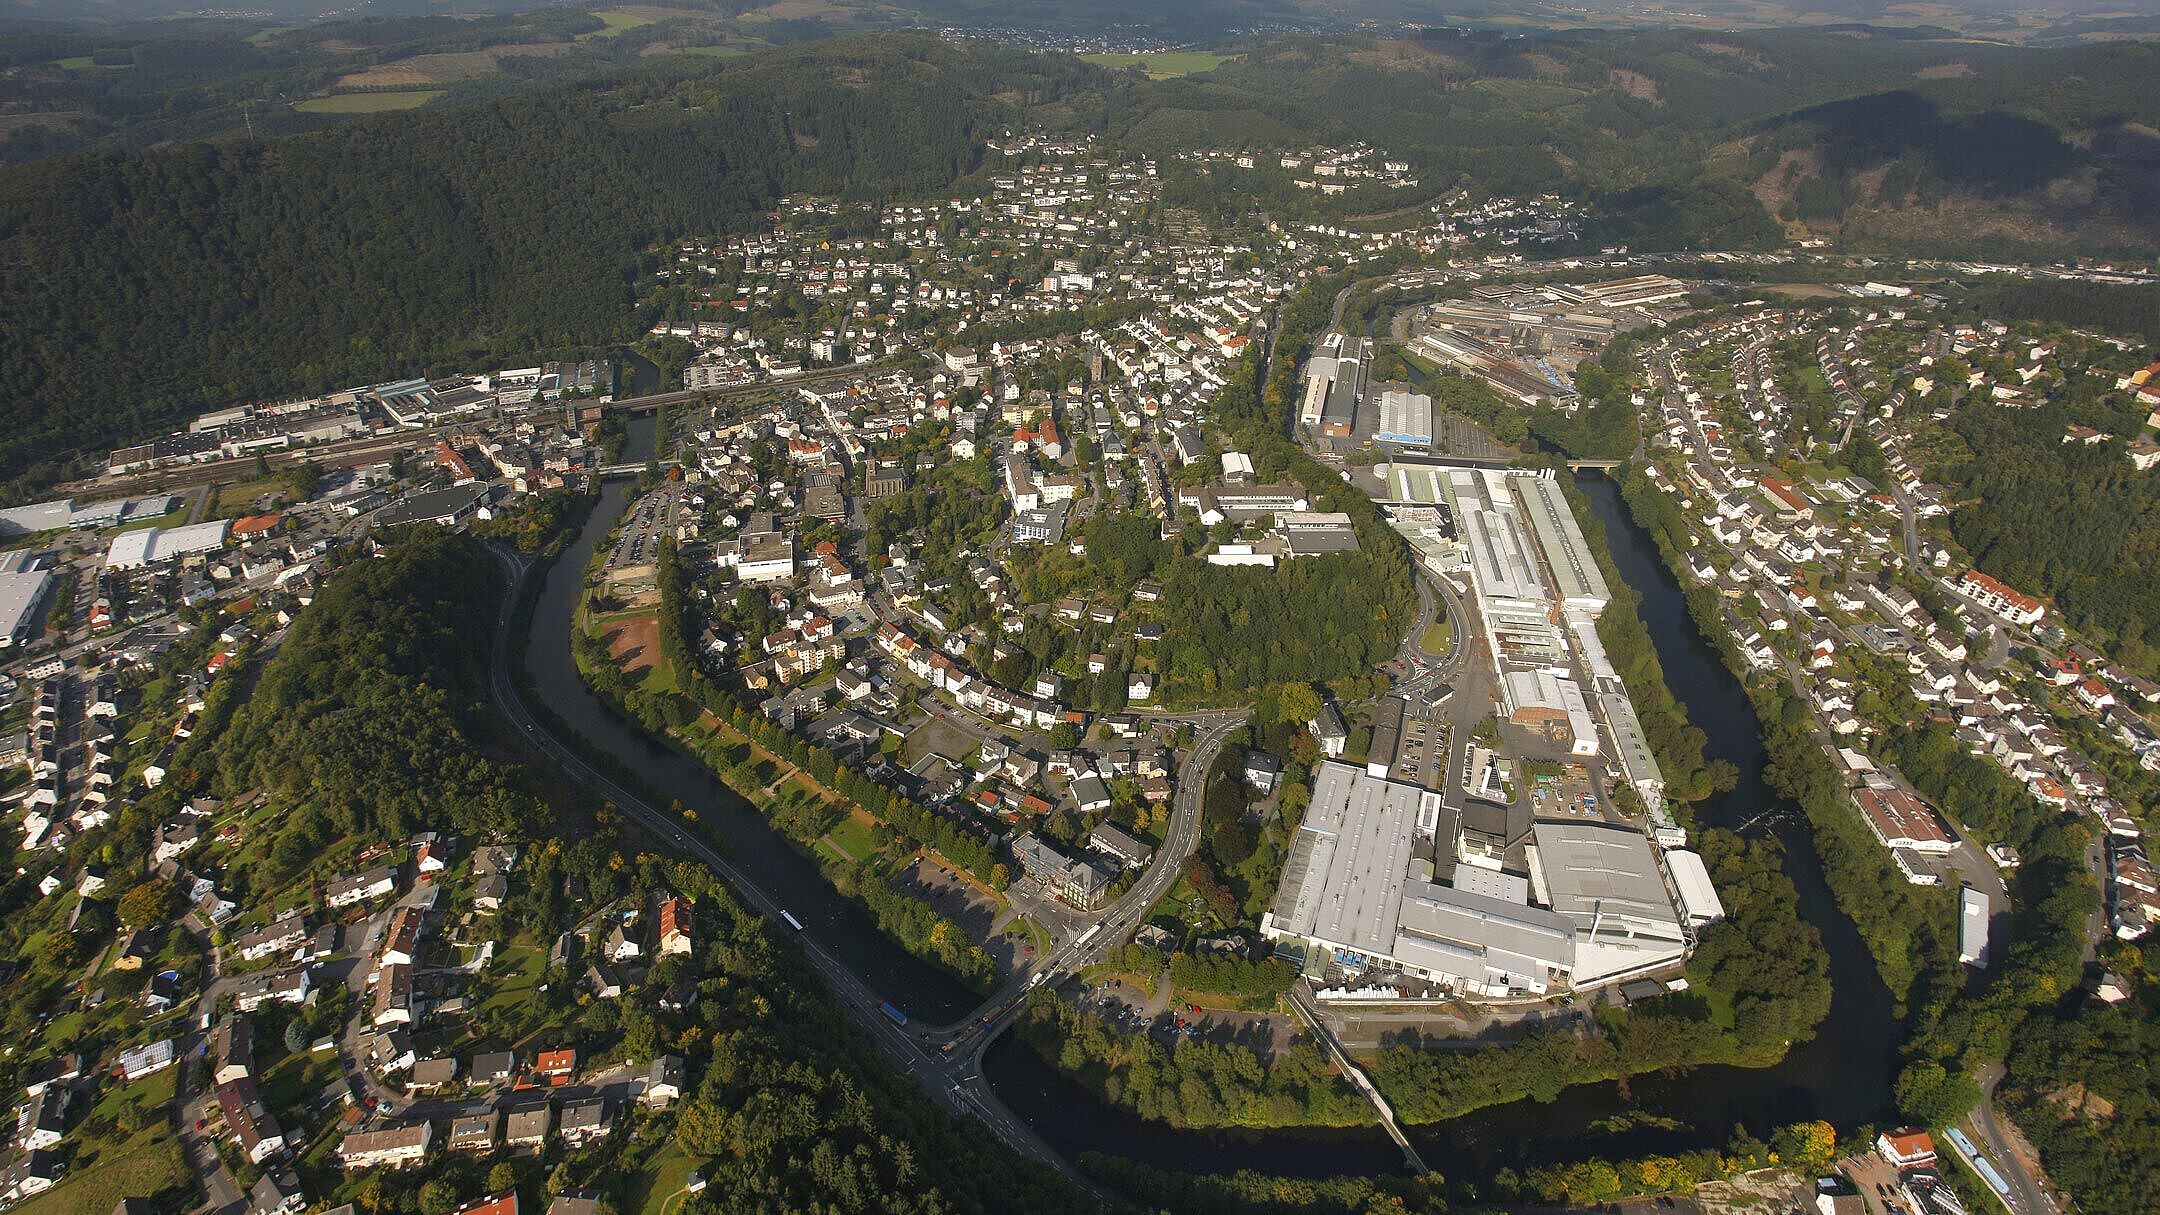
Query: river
point(1841, 1075)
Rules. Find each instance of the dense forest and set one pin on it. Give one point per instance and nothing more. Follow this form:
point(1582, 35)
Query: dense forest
point(376, 686)
point(2078, 524)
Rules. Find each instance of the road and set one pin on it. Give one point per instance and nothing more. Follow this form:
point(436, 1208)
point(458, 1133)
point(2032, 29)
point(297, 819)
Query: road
point(2027, 1196)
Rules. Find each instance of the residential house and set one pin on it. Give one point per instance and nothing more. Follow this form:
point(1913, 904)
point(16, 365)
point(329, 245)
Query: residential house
point(675, 926)
point(249, 1121)
point(585, 1121)
point(663, 1082)
point(392, 1147)
point(481, 1132)
point(528, 1126)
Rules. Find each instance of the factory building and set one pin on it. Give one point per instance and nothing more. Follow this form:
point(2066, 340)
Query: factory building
point(1406, 417)
point(1594, 908)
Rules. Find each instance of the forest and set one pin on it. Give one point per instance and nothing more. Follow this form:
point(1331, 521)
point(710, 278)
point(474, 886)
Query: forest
point(2077, 524)
point(377, 686)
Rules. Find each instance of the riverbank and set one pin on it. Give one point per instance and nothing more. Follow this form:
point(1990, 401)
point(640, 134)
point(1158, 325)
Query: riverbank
point(657, 683)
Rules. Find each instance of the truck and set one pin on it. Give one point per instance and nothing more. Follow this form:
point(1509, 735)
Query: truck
point(792, 922)
point(886, 1007)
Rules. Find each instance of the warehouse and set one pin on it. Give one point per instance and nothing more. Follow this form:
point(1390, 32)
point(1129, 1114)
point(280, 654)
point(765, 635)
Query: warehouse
point(1699, 902)
point(1606, 879)
point(1406, 417)
point(1575, 573)
point(154, 545)
point(22, 592)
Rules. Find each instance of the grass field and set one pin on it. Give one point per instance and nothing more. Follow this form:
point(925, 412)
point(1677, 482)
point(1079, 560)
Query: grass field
point(146, 1165)
point(169, 519)
point(713, 52)
point(1163, 65)
point(367, 103)
point(657, 1189)
point(617, 22)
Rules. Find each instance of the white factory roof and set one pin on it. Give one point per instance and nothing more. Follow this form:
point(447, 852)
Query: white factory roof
point(1699, 900)
point(19, 596)
point(1576, 576)
point(1343, 883)
point(1602, 872)
point(1500, 556)
point(1405, 416)
point(154, 544)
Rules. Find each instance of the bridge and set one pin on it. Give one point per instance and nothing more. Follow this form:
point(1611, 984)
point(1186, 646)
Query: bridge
point(659, 400)
point(1599, 465)
point(631, 470)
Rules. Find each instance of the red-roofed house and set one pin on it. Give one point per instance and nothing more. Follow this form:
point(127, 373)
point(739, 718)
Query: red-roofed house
point(675, 926)
point(556, 1066)
point(1905, 1149)
point(2000, 599)
point(505, 1203)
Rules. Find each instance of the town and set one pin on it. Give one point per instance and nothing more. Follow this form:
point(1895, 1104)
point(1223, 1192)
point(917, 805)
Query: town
point(988, 591)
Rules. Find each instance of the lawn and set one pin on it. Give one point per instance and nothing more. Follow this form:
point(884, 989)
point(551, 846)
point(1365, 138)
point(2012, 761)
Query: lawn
point(713, 52)
point(147, 1165)
point(656, 1189)
point(852, 836)
point(75, 63)
point(1437, 636)
point(1163, 65)
point(367, 103)
point(169, 519)
point(512, 977)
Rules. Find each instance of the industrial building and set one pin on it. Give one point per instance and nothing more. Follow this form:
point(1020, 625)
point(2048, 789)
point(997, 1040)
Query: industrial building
point(23, 587)
point(1406, 417)
point(155, 545)
point(1513, 602)
point(1594, 908)
point(1973, 927)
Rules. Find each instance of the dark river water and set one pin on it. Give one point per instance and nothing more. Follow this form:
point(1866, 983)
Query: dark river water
point(1841, 1075)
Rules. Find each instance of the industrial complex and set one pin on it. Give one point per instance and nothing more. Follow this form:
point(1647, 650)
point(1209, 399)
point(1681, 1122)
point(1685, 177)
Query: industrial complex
point(1596, 904)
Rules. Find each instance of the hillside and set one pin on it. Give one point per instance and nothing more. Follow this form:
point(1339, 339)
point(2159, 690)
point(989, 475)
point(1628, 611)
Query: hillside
point(140, 285)
point(137, 286)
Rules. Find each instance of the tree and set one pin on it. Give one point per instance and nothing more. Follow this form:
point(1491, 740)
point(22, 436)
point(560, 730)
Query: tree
point(437, 1196)
point(1297, 702)
point(150, 903)
point(1063, 736)
point(1930, 1095)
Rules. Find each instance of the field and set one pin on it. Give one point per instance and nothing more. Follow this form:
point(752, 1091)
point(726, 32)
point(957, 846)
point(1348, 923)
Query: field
point(635, 641)
point(367, 103)
point(713, 52)
point(424, 71)
point(851, 836)
point(617, 21)
point(107, 1170)
point(1164, 65)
